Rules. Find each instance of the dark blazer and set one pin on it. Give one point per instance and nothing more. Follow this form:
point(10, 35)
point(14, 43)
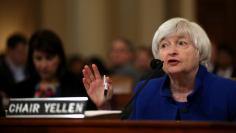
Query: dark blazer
point(7, 80)
point(213, 99)
point(70, 86)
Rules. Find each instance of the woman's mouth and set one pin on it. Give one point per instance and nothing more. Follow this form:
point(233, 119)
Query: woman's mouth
point(172, 62)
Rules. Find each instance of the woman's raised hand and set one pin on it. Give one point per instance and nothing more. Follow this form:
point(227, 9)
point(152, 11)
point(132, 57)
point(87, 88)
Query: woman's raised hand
point(94, 86)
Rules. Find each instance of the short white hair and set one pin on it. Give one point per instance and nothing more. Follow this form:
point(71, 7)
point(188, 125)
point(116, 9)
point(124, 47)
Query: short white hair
point(183, 26)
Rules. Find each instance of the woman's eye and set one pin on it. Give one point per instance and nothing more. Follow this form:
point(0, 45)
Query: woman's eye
point(182, 43)
point(38, 58)
point(163, 45)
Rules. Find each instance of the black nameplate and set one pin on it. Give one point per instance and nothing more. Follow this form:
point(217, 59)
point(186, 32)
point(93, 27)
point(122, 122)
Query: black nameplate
point(71, 107)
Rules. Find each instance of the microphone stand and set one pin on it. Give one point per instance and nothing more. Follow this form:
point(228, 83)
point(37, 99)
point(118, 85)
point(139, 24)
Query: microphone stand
point(157, 65)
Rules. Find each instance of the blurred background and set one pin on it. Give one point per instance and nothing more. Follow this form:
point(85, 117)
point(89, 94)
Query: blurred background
point(102, 31)
point(88, 26)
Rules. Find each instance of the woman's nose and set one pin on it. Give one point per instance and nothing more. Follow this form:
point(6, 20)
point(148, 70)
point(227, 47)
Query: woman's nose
point(172, 49)
point(43, 63)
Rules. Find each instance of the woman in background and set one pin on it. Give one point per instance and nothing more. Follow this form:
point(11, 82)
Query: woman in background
point(48, 76)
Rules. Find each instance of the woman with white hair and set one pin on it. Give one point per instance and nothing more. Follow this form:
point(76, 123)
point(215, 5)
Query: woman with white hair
point(187, 91)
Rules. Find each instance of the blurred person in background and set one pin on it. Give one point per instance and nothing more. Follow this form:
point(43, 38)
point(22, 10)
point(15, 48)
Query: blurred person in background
point(48, 76)
point(121, 58)
point(12, 63)
point(224, 64)
point(99, 63)
point(142, 63)
point(75, 64)
point(143, 59)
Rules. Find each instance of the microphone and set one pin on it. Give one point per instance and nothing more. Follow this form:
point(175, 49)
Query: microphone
point(156, 65)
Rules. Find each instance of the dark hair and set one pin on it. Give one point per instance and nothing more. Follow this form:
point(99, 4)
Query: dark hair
point(225, 48)
point(16, 39)
point(49, 42)
point(100, 64)
point(75, 58)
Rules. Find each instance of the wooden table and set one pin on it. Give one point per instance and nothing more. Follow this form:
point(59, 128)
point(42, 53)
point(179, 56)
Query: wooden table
point(110, 126)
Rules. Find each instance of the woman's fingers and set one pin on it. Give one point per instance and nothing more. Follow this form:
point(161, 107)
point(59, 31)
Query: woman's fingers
point(89, 73)
point(86, 84)
point(110, 90)
point(85, 73)
point(94, 85)
point(96, 72)
point(86, 76)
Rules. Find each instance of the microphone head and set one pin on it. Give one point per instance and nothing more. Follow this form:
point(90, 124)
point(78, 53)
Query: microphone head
point(156, 63)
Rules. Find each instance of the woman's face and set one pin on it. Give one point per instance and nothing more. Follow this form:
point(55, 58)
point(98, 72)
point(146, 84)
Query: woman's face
point(179, 54)
point(46, 65)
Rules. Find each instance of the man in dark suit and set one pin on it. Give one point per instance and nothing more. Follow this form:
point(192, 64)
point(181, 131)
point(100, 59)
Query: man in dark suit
point(12, 63)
